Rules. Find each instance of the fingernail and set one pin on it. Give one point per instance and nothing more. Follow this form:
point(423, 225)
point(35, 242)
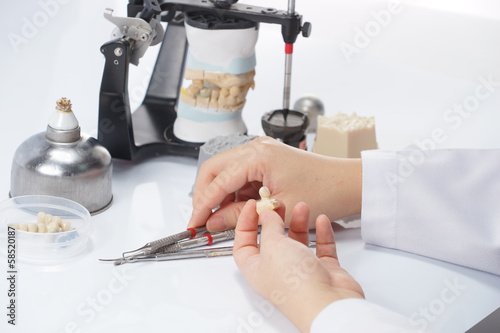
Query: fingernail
point(217, 223)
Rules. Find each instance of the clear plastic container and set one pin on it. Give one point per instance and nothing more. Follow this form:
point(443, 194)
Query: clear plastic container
point(44, 248)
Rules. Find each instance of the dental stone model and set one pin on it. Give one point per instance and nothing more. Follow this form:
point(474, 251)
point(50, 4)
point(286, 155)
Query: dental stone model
point(220, 69)
point(343, 135)
point(220, 144)
point(222, 92)
point(266, 202)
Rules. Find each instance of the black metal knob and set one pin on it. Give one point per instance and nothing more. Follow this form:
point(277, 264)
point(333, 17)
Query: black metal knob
point(225, 4)
point(306, 29)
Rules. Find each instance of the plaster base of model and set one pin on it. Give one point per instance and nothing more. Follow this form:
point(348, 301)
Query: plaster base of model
point(194, 131)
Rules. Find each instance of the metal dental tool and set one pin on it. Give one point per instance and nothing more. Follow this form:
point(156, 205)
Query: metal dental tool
point(177, 242)
point(188, 254)
point(154, 246)
point(207, 239)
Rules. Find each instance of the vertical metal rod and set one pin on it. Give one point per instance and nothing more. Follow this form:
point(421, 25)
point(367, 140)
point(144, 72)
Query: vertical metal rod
point(291, 7)
point(288, 67)
point(288, 81)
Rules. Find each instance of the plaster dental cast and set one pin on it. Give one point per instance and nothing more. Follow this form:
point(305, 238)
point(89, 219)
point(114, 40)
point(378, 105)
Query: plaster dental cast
point(446, 208)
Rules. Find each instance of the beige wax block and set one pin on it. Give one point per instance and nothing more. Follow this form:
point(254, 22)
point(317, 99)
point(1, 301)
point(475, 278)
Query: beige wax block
point(343, 135)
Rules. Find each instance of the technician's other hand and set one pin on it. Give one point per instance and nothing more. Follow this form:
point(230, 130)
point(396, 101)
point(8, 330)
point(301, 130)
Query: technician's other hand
point(328, 185)
point(284, 270)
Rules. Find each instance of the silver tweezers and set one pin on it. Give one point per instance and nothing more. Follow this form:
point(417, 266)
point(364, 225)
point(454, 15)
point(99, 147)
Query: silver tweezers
point(168, 245)
point(154, 246)
point(187, 254)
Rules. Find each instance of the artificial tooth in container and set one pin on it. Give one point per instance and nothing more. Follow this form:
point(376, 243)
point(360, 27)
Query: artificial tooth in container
point(33, 227)
point(52, 228)
point(42, 228)
point(62, 162)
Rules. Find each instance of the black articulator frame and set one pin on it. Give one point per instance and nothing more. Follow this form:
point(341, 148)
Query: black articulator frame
point(149, 130)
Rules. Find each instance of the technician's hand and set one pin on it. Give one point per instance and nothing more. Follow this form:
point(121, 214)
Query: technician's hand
point(328, 185)
point(285, 271)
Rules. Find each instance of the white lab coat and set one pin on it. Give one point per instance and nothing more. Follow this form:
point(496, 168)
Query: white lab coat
point(443, 204)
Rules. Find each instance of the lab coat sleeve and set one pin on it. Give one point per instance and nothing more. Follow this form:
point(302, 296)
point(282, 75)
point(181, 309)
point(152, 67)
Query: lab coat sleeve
point(443, 204)
point(358, 315)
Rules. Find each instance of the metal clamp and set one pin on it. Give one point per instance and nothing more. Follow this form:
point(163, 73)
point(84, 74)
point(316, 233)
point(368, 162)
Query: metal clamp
point(142, 33)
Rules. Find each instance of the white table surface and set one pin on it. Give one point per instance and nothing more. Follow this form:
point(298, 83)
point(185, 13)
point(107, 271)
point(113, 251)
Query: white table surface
point(427, 58)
